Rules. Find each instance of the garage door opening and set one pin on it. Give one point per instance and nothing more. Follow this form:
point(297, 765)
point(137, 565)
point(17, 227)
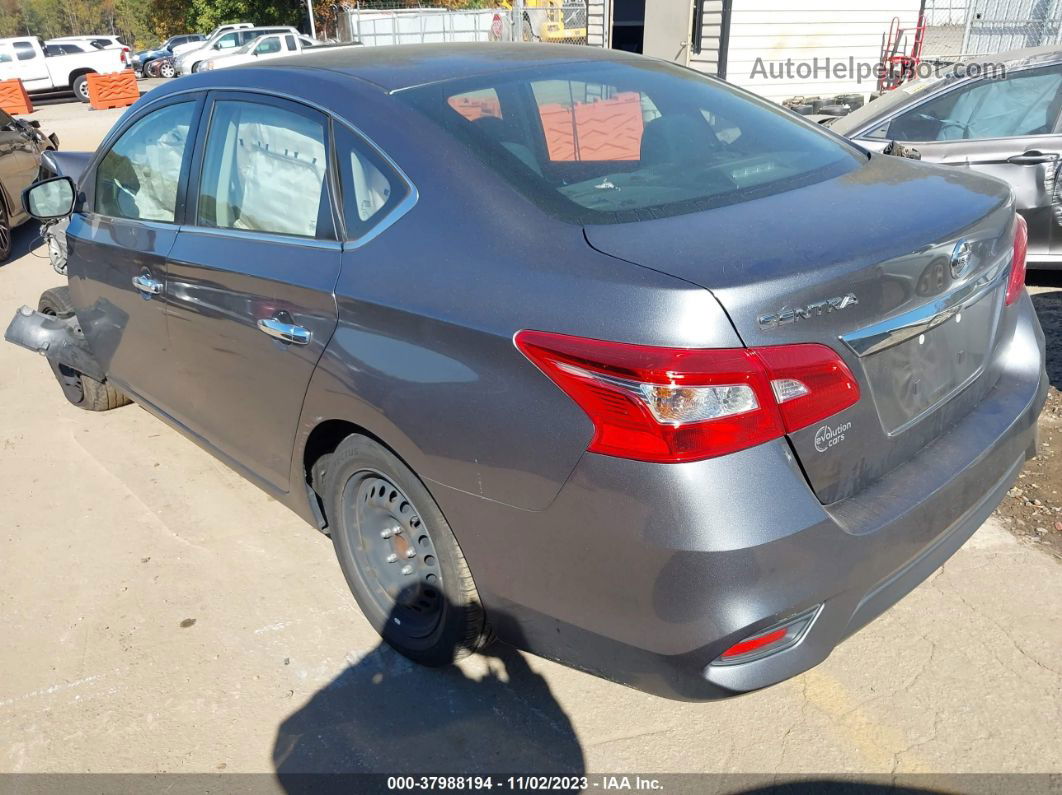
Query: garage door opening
point(628, 25)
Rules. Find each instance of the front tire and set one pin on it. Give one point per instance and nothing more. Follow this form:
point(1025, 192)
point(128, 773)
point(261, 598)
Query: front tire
point(399, 556)
point(82, 391)
point(167, 70)
point(196, 66)
point(80, 87)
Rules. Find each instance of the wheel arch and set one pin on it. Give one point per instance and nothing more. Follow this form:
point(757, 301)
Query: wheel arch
point(80, 71)
point(323, 439)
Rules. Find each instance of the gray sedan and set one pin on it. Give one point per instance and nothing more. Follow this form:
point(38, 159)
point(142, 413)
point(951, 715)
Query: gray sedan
point(570, 348)
point(1004, 122)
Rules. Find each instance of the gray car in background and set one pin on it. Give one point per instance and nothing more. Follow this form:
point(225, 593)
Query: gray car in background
point(1000, 115)
point(566, 347)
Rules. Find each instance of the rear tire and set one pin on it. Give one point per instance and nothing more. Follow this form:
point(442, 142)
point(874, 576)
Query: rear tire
point(167, 70)
point(399, 556)
point(5, 234)
point(82, 391)
point(80, 87)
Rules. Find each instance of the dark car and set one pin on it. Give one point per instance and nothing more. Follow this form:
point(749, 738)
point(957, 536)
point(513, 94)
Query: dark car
point(570, 347)
point(1000, 115)
point(21, 145)
point(144, 61)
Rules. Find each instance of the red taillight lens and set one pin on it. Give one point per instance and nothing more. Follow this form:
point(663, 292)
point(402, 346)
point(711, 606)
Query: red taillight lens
point(1017, 267)
point(827, 384)
point(684, 404)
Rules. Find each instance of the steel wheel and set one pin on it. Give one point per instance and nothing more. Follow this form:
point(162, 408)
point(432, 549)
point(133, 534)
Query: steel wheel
point(394, 554)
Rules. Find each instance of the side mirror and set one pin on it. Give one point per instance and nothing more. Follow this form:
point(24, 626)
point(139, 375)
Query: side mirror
point(50, 200)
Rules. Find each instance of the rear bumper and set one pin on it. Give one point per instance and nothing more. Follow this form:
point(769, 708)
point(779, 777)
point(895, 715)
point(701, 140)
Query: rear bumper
point(644, 574)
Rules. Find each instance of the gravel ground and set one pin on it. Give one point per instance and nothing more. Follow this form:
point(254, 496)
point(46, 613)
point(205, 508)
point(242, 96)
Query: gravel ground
point(1032, 509)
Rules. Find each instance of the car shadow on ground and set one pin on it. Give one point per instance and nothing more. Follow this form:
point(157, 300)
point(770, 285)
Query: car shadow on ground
point(386, 714)
point(24, 239)
point(1048, 306)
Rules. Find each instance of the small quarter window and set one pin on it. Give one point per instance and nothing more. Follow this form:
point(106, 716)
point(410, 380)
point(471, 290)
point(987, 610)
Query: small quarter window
point(138, 178)
point(371, 188)
point(264, 170)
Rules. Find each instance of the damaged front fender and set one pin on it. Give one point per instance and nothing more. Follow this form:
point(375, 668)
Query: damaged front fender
point(59, 339)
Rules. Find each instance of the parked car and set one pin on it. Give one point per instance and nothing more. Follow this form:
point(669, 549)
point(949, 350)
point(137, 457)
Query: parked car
point(1004, 126)
point(42, 72)
point(21, 145)
point(98, 42)
point(211, 37)
point(263, 48)
point(142, 59)
point(194, 60)
point(615, 370)
point(52, 47)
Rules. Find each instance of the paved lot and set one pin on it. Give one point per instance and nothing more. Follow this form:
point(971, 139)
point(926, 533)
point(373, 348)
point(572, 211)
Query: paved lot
point(158, 613)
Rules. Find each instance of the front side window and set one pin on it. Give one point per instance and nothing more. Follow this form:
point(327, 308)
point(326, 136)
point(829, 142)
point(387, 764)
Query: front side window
point(371, 188)
point(139, 177)
point(268, 46)
point(227, 42)
point(624, 141)
point(264, 171)
point(1026, 103)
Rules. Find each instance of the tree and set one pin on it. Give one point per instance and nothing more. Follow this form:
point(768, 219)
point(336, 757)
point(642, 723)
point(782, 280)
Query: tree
point(211, 13)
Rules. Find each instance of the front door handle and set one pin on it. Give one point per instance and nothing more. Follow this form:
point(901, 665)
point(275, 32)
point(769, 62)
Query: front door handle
point(288, 332)
point(1033, 157)
point(146, 285)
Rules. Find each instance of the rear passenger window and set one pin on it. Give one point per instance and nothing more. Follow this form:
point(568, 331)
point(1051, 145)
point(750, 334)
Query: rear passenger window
point(264, 171)
point(138, 178)
point(371, 188)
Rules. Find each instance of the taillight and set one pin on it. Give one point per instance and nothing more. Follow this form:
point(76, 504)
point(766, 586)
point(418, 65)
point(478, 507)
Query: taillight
point(685, 404)
point(1017, 265)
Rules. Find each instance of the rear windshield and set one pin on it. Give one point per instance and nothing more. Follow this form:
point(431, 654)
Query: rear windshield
point(622, 141)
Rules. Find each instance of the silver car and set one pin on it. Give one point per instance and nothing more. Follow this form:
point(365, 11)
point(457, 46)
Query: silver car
point(999, 115)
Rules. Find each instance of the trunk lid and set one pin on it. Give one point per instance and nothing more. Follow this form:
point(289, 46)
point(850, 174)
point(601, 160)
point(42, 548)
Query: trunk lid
point(862, 263)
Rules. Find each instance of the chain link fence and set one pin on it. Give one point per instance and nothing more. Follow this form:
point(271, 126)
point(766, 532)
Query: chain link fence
point(960, 29)
point(384, 23)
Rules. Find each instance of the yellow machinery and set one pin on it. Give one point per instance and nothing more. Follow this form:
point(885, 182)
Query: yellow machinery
point(554, 20)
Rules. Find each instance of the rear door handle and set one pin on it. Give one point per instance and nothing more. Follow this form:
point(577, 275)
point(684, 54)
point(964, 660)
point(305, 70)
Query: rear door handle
point(146, 285)
point(288, 332)
point(1033, 157)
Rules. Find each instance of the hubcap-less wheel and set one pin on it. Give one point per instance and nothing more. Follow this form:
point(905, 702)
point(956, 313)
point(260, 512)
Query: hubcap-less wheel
point(394, 554)
point(166, 70)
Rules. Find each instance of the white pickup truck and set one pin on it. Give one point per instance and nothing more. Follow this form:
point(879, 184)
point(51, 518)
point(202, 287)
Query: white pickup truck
point(263, 48)
point(25, 58)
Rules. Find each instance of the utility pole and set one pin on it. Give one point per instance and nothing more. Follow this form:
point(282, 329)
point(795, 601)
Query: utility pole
point(518, 22)
point(313, 27)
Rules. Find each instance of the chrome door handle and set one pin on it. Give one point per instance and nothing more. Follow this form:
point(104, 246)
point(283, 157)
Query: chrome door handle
point(147, 285)
point(288, 332)
point(1033, 157)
